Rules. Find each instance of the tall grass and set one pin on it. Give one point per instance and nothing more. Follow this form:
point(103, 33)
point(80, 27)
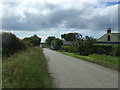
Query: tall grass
point(26, 69)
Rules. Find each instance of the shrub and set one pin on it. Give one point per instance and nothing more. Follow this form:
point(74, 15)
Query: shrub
point(65, 48)
point(11, 44)
point(100, 50)
point(72, 48)
point(84, 47)
point(28, 44)
point(49, 40)
point(44, 45)
point(81, 47)
point(33, 40)
point(116, 50)
point(56, 44)
point(103, 49)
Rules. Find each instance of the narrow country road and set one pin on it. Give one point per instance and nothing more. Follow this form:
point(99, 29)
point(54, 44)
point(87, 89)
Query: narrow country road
point(70, 72)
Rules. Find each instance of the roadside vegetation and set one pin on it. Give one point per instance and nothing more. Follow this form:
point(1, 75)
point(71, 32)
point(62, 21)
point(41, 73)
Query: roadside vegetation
point(24, 63)
point(12, 44)
point(53, 43)
point(104, 60)
point(26, 69)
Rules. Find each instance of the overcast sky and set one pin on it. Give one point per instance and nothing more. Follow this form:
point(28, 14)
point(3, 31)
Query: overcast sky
point(49, 17)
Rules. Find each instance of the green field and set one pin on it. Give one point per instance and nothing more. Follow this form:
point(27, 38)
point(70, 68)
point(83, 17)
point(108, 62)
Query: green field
point(26, 69)
point(104, 60)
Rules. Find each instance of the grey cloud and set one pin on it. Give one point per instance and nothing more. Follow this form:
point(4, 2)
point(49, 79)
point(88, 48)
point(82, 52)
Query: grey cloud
point(50, 6)
point(36, 22)
point(11, 4)
point(57, 16)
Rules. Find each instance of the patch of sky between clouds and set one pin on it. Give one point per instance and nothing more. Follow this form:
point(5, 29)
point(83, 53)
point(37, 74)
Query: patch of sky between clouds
point(111, 3)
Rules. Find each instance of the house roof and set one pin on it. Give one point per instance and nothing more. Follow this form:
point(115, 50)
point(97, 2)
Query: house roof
point(105, 40)
point(116, 35)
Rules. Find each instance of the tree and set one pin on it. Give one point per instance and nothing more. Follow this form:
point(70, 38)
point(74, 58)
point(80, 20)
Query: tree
point(49, 40)
point(56, 44)
point(63, 36)
point(91, 39)
point(34, 40)
point(11, 44)
point(71, 36)
point(86, 46)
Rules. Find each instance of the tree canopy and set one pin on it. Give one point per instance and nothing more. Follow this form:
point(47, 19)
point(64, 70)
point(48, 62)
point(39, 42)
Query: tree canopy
point(71, 36)
point(57, 43)
point(49, 40)
point(34, 40)
point(11, 44)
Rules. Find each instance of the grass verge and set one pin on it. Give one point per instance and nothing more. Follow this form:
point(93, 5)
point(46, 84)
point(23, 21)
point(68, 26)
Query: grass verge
point(104, 60)
point(26, 69)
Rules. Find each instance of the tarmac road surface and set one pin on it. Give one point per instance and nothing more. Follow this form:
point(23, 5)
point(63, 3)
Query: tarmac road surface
point(70, 72)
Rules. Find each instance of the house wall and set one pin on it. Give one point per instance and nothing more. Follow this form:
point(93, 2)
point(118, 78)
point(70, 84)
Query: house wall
point(104, 38)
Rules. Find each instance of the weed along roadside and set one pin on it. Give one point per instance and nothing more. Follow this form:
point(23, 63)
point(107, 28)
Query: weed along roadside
point(104, 60)
point(26, 69)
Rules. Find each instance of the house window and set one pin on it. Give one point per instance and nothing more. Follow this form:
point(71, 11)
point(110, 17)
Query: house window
point(108, 38)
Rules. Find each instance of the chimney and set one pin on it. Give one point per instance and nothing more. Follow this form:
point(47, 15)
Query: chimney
point(109, 30)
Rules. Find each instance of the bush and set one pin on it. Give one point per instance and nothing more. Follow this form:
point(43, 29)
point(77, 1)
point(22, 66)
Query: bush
point(81, 47)
point(28, 44)
point(87, 48)
point(100, 50)
point(33, 40)
point(65, 48)
point(44, 45)
point(49, 40)
point(116, 50)
point(103, 49)
point(11, 44)
point(56, 44)
point(72, 48)
point(84, 47)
